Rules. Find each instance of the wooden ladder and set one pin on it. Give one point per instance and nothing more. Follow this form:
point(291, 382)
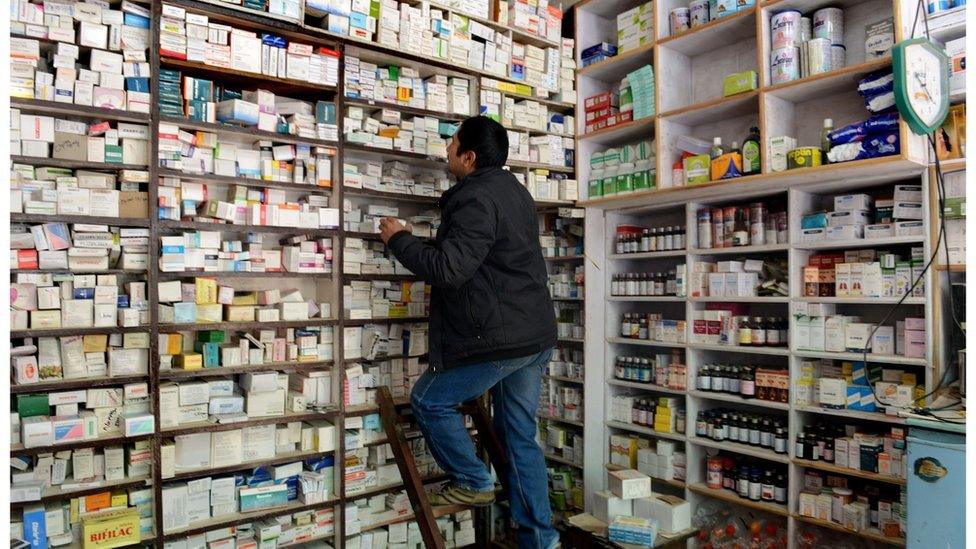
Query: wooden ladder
point(393, 417)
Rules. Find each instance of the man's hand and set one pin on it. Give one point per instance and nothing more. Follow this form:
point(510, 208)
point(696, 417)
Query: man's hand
point(390, 226)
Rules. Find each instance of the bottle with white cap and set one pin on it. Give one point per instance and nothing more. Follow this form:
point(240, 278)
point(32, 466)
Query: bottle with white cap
point(828, 126)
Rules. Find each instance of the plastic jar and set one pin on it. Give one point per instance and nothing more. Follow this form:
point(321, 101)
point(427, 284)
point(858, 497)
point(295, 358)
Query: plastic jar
point(625, 178)
point(595, 183)
point(840, 498)
point(609, 180)
point(642, 175)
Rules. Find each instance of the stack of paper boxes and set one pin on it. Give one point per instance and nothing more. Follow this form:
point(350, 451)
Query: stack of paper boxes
point(193, 37)
point(41, 136)
point(53, 358)
point(404, 86)
point(381, 299)
point(210, 302)
point(55, 525)
point(117, 76)
point(635, 27)
point(84, 301)
point(213, 349)
point(53, 191)
point(387, 129)
point(84, 414)
point(395, 177)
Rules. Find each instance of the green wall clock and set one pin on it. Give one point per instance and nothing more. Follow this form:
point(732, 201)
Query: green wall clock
point(921, 83)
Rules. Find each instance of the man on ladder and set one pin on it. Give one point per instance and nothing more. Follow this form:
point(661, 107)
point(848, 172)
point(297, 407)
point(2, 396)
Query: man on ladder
point(492, 327)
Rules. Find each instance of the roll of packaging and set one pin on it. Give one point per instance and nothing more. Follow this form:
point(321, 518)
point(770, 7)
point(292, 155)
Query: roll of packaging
point(680, 19)
point(818, 56)
point(784, 28)
point(829, 23)
point(784, 64)
point(698, 12)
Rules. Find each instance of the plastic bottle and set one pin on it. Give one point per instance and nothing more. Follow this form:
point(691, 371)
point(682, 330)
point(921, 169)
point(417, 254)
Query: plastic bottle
point(751, 155)
point(625, 178)
point(716, 148)
point(828, 126)
point(596, 183)
point(609, 180)
point(642, 175)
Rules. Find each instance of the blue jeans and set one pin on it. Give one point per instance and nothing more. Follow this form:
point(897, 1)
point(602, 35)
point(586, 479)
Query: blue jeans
point(514, 385)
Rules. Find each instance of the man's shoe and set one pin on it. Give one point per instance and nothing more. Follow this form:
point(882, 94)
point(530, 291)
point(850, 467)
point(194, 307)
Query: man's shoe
point(451, 494)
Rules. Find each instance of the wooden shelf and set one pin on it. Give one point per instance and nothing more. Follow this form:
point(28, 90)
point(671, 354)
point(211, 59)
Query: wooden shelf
point(649, 255)
point(385, 320)
point(625, 132)
point(645, 386)
point(871, 357)
point(759, 249)
point(56, 332)
point(718, 108)
point(89, 219)
point(739, 448)
point(565, 258)
point(242, 518)
point(244, 181)
point(235, 228)
point(74, 164)
point(860, 243)
point(41, 106)
point(725, 495)
point(563, 461)
point(851, 414)
point(81, 271)
point(646, 298)
point(176, 374)
point(57, 493)
point(244, 466)
point(836, 176)
point(871, 533)
point(179, 275)
point(825, 84)
point(727, 397)
point(392, 487)
point(613, 69)
point(403, 197)
point(246, 131)
point(390, 277)
point(558, 419)
point(776, 351)
point(282, 86)
point(409, 156)
point(80, 383)
point(281, 324)
point(213, 427)
point(723, 30)
point(571, 340)
point(640, 429)
point(951, 268)
point(831, 468)
point(539, 166)
point(910, 300)
point(563, 379)
point(645, 342)
point(405, 109)
point(740, 299)
point(113, 439)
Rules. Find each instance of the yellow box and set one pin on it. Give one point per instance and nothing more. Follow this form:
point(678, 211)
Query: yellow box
point(206, 290)
point(95, 343)
point(120, 500)
point(173, 344)
point(188, 361)
point(239, 313)
point(211, 312)
point(111, 529)
point(250, 298)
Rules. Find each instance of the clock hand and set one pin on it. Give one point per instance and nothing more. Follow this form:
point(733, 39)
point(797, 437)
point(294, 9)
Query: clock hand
point(924, 88)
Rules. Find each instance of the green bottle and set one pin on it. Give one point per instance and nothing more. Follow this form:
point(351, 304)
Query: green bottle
point(751, 157)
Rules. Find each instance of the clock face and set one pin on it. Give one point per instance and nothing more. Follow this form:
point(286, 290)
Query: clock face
point(924, 82)
point(921, 84)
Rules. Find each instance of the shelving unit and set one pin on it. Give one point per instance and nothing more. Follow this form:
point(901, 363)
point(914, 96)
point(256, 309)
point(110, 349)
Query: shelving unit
point(688, 69)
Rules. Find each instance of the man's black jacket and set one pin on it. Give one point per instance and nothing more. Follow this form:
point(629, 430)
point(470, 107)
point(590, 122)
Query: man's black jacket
point(490, 298)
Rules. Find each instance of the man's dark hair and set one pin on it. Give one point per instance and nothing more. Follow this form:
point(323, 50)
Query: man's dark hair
point(487, 139)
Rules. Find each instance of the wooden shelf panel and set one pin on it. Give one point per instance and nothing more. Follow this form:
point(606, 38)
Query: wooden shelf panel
point(242, 518)
point(246, 131)
point(212, 427)
point(71, 384)
point(282, 86)
point(870, 533)
point(56, 332)
point(177, 374)
point(831, 468)
point(179, 275)
point(385, 320)
point(245, 181)
point(74, 164)
point(725, 495)
point(403, 197)
point(89, 219)
point(558, 419)
point(54, 108)
point(57, 493)
point(244, 466)
point(404, 109)
point(232, 227)
point(640, 429)
point(281, 324)
point(114, 439)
